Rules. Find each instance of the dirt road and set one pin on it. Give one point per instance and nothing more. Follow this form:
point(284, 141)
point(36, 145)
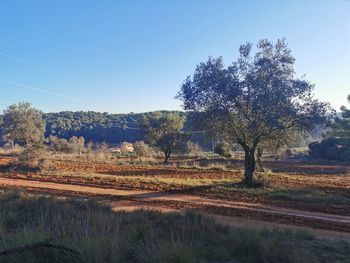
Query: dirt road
point(227, 212)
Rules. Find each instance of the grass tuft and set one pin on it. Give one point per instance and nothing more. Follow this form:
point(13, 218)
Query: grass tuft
point(93, 233)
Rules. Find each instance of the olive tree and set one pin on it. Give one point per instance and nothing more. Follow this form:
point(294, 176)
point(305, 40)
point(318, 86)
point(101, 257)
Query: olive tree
point(256, 98)
point(24, 124)
point(164, 130)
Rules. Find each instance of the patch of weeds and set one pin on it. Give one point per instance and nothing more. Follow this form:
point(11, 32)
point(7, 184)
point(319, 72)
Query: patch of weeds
point(307, 195)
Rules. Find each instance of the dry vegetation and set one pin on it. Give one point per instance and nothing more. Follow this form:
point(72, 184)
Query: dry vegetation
point(294, 185)
point(82, 231)
point(317, 187)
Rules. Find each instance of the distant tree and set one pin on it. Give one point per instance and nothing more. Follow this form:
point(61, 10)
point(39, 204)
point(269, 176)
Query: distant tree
point(335, 149)
point(164, 130)
point(341, 127)
point(23, 124)
point(336, 146)
point(253, 100)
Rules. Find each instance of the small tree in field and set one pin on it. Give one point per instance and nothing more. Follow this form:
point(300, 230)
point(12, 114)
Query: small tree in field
point(24, 124)
point(255, 99)
point(164, 130)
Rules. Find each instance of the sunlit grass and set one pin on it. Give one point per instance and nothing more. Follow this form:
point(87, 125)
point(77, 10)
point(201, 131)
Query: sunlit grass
point(96, 234)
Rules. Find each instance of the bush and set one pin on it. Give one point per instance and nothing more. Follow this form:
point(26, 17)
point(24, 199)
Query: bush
point(60, 145)
point(100, 152)
point(223, 149)
point(74, 145)
point(335, 149)
point(194, 149)
point(34, 157)
point(142, 149)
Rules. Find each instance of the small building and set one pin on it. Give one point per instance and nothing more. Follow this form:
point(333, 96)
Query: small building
point(124, 147)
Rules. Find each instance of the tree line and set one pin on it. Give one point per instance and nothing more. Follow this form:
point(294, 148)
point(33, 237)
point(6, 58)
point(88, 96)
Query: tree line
point(68, 132)
point(93, 126)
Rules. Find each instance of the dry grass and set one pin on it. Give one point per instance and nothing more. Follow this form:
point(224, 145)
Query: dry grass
point(10, 151)
point(96, 234)
point(321, 187)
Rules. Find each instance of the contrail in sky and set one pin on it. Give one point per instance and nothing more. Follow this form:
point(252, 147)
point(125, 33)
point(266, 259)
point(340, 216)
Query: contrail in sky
point(20, 60)
point(25, 62)
point(39, 90)
point(21, 85)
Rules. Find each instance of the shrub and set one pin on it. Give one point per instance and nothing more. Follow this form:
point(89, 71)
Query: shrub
point(77, 144)
point(60, 145)
point(100, 152)
point(142, 149)
point(34, 157)
point(335, 149)
point(223, 149)
point(193, 149)
point(74, 145)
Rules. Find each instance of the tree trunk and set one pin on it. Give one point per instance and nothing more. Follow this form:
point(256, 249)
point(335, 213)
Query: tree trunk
point(259, 153)
point(166, 157)
point(249, 166)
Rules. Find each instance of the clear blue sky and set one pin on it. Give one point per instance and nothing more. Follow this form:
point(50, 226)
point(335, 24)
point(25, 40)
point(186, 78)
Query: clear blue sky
point(132, 56)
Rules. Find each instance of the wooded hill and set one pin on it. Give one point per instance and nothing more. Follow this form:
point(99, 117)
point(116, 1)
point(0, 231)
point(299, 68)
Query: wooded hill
point(104, 127)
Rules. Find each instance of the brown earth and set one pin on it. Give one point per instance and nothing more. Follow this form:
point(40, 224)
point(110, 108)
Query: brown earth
point(334, 186)
point(159, 195)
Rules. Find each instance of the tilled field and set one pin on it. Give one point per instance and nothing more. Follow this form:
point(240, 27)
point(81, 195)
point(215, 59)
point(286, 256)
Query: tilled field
point(327, 192)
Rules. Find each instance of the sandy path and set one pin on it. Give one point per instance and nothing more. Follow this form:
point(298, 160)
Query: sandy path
point(230, 220)
point(190, 199)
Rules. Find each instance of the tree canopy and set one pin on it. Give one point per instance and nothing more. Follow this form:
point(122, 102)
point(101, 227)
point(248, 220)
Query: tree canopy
point(341, 126)
point(336, 145)
point(23, 124)
point(256, 98)
point(164, 131)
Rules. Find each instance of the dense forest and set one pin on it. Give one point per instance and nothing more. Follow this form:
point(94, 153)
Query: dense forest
point(104, 127)
point(94, 126)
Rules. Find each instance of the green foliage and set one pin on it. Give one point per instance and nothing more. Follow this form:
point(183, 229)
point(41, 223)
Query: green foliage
point(336, 149)
point(341, 126)
point(223, 149)
point(94, 126)
point(256, 99)
point(23, 124)
point(103, 127)
point(164, 130)
point(93, 233)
